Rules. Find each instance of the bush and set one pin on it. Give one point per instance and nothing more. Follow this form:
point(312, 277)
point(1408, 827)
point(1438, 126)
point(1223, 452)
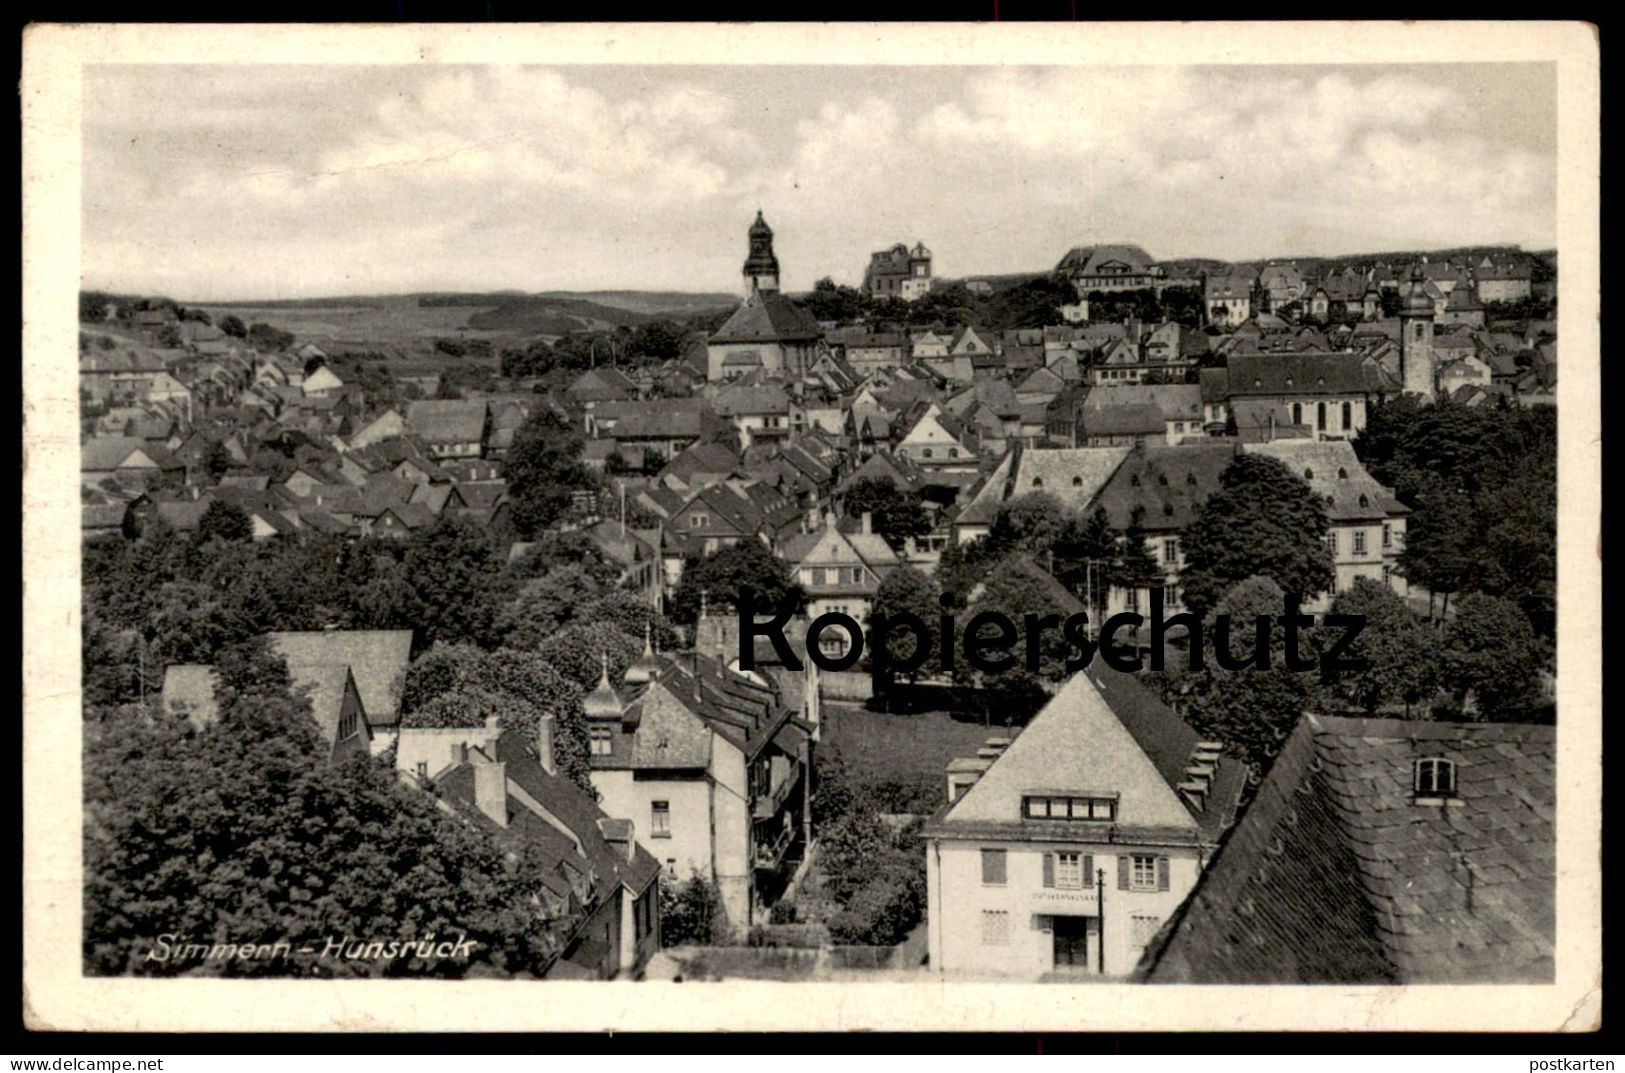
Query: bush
point(691, 913)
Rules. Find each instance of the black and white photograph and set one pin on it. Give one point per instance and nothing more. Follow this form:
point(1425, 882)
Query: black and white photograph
point(976, 521)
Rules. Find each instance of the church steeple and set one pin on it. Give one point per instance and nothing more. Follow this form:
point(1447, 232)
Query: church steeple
point(761, 267)
point(1418, 372)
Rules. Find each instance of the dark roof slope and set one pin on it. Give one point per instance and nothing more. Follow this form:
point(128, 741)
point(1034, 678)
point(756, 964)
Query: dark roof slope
point(768, 317)
point(1337, 873)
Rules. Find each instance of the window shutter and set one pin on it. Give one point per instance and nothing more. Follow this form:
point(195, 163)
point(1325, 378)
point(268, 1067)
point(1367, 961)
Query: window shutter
point(1122, 873)
point(1088, 869)
point(1049, 869)
point(1162, 873)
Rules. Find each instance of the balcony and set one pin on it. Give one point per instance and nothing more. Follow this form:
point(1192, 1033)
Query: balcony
point(769, 804)
point(770, 856)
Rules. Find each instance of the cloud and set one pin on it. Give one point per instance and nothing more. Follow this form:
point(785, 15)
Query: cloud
point(273, 181)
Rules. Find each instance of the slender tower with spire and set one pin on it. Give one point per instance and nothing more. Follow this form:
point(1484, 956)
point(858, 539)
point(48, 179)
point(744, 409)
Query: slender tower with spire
point(761, 267)
point(1417, 364)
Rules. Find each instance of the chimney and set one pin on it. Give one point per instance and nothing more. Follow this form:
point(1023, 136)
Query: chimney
point(868, 522)
point(459, 753)
point(491, 790)
point(544, 742)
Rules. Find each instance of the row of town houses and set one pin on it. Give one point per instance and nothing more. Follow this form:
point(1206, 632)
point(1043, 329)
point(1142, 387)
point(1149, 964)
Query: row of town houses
point(1132, 863)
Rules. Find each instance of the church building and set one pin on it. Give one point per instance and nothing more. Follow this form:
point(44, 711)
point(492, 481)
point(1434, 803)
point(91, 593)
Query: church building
point(768, 332)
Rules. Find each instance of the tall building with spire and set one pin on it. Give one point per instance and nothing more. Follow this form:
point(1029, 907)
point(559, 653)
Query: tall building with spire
point(768, 333)
point(1417, 364)
point(761, 267)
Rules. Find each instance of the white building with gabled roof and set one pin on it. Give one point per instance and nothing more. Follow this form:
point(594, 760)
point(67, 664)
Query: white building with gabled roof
point(1064, 850)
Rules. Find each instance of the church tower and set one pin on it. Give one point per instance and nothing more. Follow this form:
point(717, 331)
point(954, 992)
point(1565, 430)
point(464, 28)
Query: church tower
point(761, 267)
point(1417, 365)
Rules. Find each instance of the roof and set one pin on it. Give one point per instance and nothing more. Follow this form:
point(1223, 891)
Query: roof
point(189, 687)
point(106, 453)
point(376, 658)
point(327, 685)
point(1169, 483)
point(447, 420)
point(1087, 260)
point(767, 317)
point(1337, 874)
point(1303, 373)
point(744, 401)
point(1073, 475)
point(1080, 744)
point(1334, 473)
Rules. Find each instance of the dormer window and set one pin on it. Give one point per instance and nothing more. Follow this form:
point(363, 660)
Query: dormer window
point(1342, 473)
point(1434, 777)
point(1038, 482)
point(1190, 479)
point(1055, 807)
point(1077, 482)
point(1308, 474)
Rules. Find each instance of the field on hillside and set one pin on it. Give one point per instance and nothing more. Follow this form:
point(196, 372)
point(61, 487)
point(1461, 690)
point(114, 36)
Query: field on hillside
point(907, 748)
point(407, 326)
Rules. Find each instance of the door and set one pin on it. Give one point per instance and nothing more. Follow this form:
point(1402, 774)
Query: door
point(1072, 943)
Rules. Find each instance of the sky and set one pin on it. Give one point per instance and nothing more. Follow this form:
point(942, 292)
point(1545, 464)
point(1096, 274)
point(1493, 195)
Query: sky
point(230, 182)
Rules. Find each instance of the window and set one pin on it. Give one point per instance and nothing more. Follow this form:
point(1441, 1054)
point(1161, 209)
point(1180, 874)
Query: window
point(1320, 417)
point(994, 863)
point(697, 521)
point(423, 769)
point(1170, 550)
point(1387, 535)
point(995, 927)
point(1069, 874)
point(1331, 542)
point(1435, 777)
point(807, 576)
point(671, 867)
point(1143, 870)
point(1038, 482)
point(1297, 413)
point(660, 819)
point(1348, 416)
point(1359, 542)
point(601, 741)
point(927, 452)
point(1056, 807)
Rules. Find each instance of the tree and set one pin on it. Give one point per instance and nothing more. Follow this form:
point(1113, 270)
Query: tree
point(460, 685)
point(895, 514)
point(1399, 649)
point(543, 606)
point(1029, 523)
point(580, 651)
point(265, 337)
point(631, 613)
point(691, 913)
point(1262, 521)
point(208, 835)
point(657, 341)
point(233, 326)
point(1251, 710)
point(453, 568)
point(543, 469)
point(905, 590)
point(721, 576)
point(224, 521)
point(1491, 655)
